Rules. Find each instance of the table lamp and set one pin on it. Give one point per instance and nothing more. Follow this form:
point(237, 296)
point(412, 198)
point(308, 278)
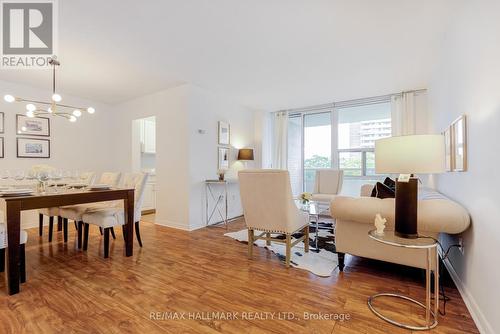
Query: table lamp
point(245, 154)
point(409, 155)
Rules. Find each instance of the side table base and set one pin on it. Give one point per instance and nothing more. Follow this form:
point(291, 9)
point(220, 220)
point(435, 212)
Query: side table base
point(393, 295)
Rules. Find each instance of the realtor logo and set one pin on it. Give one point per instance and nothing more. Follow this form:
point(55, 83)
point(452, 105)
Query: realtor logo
point(28, 33)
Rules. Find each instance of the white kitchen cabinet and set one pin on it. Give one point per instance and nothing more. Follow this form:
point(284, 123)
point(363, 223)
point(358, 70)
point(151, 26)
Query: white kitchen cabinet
point(148, 136)
point(149, 202)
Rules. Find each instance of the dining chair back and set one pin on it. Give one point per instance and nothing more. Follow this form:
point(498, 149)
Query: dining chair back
point(110, 178)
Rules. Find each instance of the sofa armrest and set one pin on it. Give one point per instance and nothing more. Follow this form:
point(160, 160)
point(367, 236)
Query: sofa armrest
point(366, 190)
point(362, 209)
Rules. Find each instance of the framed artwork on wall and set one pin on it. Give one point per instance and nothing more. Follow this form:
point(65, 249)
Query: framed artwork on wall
point(224, 133)
point(1, 148)
point(448, 149)
point(32, 126)
point(2, 121)
point(33, 148)
point(223, 158)
point(459, 144)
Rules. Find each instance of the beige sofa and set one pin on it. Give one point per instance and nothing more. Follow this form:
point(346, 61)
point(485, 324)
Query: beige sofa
point(355, 217)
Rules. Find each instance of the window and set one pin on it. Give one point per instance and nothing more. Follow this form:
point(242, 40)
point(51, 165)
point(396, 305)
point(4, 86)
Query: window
point(358, 128)
point(317, 146)
point(341, 138)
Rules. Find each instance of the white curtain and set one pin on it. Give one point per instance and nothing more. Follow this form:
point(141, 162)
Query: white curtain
point(280, 140)
point(403, 112)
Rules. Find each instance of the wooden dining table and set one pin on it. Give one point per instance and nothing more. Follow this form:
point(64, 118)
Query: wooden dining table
point(13, 205)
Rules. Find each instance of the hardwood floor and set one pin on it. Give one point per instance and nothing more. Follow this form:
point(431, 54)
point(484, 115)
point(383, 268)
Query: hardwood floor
point(72, 291)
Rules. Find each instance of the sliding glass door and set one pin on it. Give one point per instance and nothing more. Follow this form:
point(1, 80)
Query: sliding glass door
point(340, 138)
point(295, 152)
point(317, 146)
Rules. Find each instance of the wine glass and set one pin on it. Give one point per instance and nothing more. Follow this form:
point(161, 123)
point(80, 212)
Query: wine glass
point(56, 176)
point(43, 177)
point(19, 175)
point(75, 175)
point(5, 174)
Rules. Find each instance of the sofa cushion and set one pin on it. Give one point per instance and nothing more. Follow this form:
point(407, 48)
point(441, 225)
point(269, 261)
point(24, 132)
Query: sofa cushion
point(382, 191)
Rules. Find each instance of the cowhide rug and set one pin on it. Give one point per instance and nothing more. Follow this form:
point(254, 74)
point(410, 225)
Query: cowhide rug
point(321, 261)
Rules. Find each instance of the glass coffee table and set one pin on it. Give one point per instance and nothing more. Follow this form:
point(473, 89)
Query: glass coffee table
point(312, 208)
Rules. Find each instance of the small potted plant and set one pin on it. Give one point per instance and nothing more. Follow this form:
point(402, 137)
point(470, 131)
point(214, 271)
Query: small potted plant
point(221, 172)
point(305, 197)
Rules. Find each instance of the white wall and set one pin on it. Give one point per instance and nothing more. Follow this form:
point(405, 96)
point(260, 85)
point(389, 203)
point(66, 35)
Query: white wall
point(467, 81)
point(184, 157)
point(83, 146)
point(205, 110)
point(172, 149)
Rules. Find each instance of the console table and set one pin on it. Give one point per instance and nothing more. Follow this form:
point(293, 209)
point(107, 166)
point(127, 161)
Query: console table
point(217, 191)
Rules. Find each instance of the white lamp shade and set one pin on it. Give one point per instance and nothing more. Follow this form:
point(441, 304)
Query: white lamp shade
point(415, 154)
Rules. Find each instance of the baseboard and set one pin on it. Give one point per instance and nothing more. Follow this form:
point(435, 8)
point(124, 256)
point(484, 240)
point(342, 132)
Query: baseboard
point(482, 323)
point(32, 225)
point(189, 228)
point(171, 224)
point(148, 212)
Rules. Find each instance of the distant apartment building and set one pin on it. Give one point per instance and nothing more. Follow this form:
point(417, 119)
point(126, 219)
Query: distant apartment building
point(363, 134)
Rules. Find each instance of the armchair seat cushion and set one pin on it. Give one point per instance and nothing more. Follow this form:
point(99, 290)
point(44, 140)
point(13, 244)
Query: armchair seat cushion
point(324, 198)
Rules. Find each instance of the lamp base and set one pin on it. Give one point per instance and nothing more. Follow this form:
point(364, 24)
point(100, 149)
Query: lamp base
point(406, 209)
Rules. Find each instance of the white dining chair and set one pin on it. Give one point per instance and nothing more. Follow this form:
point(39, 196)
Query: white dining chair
point(75, 212)
point(22, 251)
point(107, 218)
point(87, 178)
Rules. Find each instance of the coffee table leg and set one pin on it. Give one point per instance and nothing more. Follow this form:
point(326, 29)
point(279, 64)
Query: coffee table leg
point(317, 232)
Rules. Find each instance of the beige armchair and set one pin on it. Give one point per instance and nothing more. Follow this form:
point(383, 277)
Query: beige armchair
point(327, 184)
point(268, 206)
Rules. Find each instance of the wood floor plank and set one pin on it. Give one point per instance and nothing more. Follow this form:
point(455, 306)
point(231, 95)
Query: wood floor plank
point(200, 272)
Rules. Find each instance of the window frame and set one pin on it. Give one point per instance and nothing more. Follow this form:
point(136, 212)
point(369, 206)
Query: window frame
point(333, 109)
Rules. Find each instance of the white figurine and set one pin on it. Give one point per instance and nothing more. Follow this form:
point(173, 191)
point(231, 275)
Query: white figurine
point(380, 224)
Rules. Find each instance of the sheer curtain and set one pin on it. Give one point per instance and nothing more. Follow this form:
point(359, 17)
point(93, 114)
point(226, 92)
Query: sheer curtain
point(403, 112)
point(280, 135)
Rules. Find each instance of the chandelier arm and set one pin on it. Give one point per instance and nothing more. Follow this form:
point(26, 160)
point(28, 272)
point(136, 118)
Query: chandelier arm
point(32, 101)
point(50, 103)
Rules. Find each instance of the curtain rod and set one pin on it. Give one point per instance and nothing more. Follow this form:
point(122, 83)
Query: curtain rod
point(351, 103)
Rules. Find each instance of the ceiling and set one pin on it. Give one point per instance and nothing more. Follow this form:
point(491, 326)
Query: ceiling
point(266, 54)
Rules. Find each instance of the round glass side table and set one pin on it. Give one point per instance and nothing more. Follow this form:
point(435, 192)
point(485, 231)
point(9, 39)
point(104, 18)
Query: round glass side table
point(429, 244)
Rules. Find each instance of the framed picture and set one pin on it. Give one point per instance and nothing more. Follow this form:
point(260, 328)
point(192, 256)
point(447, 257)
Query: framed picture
point(447, 149)
point(33, 126)
point(2, 121)
point(224, 133)
point(33, 148)
point(1, 147)
point(459, 144)
point(223, 158)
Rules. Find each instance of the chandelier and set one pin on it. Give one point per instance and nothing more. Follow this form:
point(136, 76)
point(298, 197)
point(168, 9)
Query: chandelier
point(37, 108)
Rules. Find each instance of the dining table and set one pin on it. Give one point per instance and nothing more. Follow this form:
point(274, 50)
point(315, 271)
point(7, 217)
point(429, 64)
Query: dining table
point(12, 206)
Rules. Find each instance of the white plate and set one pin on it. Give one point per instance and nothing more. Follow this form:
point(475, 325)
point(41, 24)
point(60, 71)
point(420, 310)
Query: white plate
point(100, 186)
point(16, 192)
point(77, 185)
